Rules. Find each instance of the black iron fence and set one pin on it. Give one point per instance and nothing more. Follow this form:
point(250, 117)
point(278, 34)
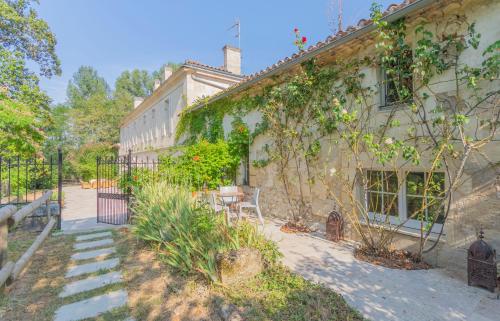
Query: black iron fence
point(23, 180)
point(117, 177)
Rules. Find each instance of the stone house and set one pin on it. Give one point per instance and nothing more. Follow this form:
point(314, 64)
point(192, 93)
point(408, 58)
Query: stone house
point(150, 128)
point(476, 203)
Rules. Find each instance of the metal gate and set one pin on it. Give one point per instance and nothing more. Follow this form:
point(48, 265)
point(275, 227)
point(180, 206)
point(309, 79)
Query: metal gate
point(116, 178)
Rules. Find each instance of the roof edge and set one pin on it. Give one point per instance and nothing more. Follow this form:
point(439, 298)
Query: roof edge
point(390, 17)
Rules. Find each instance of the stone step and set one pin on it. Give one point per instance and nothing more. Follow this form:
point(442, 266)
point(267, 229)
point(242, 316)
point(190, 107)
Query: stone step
point(91, 283)
point(93, 254)
point(92, 236)
point(92, 244)
point(92, 267)
point(93, 307)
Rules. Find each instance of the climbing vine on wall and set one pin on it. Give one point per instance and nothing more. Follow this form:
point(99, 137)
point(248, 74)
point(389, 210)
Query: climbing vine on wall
point(334, 111)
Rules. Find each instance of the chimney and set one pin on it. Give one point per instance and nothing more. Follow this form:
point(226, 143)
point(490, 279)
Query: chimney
point(138, 101)
point(232, 59)
point(167, 73)
point(156, 84)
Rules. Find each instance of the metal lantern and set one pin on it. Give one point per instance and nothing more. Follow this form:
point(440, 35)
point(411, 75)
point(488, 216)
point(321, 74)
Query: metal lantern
point(481, 264)
point(334, 226)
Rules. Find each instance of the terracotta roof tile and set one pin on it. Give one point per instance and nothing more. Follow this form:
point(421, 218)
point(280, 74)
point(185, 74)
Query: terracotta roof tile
point(199, 64)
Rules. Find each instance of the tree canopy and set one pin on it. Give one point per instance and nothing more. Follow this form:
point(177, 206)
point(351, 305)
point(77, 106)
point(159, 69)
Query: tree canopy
point(22, 31)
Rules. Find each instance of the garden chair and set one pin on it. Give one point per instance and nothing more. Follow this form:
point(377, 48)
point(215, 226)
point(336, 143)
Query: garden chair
point(254, 203)
point(215, 205)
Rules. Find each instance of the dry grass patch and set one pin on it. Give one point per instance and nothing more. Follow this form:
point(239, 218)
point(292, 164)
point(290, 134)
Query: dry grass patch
point(157, 293)
point(34, 295)
point(154, 292)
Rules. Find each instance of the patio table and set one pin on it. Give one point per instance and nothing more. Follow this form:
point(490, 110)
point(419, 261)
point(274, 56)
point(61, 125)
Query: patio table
point(235, 197)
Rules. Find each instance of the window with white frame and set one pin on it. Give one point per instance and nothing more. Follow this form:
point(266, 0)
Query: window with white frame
point(382, 192)
point(424, 196)
point(411, 198)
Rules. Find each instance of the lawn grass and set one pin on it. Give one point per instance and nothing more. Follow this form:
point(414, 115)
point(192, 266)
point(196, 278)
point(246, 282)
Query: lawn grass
point(277, 294)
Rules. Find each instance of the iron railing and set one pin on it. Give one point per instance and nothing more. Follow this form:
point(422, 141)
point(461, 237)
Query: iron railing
point(23, 180)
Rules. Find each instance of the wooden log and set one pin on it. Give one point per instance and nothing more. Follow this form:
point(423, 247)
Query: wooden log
point(21, 263)
point(6, 212)
point(30, 208)
point(4, 234)
point(5, 272)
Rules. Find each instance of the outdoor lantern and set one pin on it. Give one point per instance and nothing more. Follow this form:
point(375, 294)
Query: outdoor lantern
point(481, 264)
point(334, 227)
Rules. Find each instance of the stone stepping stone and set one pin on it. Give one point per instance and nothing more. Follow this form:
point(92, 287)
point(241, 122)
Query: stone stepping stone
point(93, 307)
point(93, 254)
point(91, 283)
point(92, 267)
point(92, 244)
point(92, 236)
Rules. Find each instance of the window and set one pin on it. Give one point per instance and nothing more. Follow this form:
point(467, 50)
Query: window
point(397, 78)
point(382, 192)
point(429, 206)
point(168, 116)
point(419, 197)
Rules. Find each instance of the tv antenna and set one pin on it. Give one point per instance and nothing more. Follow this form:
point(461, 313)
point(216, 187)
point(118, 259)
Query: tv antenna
point(237, 26)
point(334, 13)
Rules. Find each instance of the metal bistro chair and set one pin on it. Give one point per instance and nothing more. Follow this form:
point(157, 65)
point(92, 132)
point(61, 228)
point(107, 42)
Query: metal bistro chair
point(254, 203)
point(215, 205)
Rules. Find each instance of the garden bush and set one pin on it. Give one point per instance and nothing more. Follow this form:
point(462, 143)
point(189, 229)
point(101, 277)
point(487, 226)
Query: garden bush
point(85, 159)
point(188, 233)
point(202, 164)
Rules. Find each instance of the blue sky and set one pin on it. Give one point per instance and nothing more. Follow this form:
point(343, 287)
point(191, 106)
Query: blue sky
point(113, 36)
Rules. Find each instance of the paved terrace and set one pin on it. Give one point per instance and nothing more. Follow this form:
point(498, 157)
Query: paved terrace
point(80, 210)
point(380, 293)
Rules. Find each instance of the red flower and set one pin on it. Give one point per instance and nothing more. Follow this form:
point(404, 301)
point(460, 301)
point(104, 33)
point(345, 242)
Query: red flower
point(196, 158)
point(304, 39)
point(296, 30)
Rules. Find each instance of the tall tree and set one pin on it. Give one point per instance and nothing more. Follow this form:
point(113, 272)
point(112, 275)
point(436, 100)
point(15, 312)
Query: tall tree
point(86, 83)
point(93, 112)
point(23, 107)
point(21, 30)
point(135, 83)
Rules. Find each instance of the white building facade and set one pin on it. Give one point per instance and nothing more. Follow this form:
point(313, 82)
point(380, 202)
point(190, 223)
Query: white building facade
point(150, 128)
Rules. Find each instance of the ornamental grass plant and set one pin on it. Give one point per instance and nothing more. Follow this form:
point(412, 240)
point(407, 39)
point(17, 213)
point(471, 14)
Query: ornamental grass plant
point(187, 233)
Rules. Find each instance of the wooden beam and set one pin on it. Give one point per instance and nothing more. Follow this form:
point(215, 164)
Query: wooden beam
point(21, 263)
point(30, 208)
point(4, 234)
point(6, 212)
point(5, 272)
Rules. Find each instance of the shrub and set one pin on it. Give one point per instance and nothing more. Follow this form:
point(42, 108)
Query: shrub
point(188, 233)
point(203, 163)
point(85, 159)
